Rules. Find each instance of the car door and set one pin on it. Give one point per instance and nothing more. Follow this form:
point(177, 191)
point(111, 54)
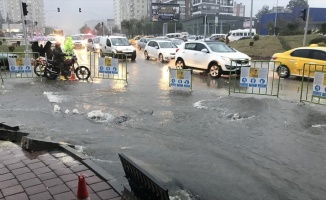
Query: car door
point(199, 57)
point(318, 60)
point(154, 50)
point(149, 47)
point(297, 61)
point(188, 53)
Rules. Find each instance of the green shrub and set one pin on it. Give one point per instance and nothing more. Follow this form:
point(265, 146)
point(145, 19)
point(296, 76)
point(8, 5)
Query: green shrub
point(318, 40)
point(256, 37)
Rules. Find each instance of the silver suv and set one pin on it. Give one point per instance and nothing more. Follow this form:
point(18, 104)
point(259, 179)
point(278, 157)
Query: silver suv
point(216, 58)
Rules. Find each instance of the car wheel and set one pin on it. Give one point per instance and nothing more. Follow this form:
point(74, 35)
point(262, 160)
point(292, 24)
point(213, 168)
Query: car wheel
point(215, 71)
point(133, 57)
point(180, 64)
point(160, 58)
point(146, 55)
point(283, 71)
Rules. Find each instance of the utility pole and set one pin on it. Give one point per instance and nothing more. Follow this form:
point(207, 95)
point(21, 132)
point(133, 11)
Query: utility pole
point(276, 17)
point(205, 21)
point(306, 27)
point(250, 32)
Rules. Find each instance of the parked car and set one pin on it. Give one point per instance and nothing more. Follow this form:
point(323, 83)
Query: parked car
point(163, 50)
point(293, 61)
point(117, 44)
point(93, 44)
point(215, 58)
point(142, 42)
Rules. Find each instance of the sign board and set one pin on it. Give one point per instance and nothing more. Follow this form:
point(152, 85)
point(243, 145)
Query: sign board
point(20, 65)
point(319, 87)
point(253, 77)
point(165, 12)
point(246, 24)
point(108, 65)
point(180, 78)
point(216, 19)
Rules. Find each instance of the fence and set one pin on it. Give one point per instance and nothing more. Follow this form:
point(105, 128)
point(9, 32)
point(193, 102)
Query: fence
point(19, 64)
point(313, 92)
point(143, 185)
point(112, 66)
point(259, 79)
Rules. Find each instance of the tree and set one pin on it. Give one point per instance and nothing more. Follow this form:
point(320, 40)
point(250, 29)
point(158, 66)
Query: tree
point(115, 29)
point(323, 28)
point(264, 10)
point(297, 3)
point(85, 29)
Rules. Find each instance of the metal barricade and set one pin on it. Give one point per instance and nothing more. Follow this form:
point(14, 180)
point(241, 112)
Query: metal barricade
point(111, 66)
point(18, 64)
point(143, 185)
point(314, 92)
point(260, 78)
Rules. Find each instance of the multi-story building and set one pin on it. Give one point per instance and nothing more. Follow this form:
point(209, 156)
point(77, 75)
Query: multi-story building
point(185, 7)
point(130, 9)
point(11, 11)
point(239, 10)
point(223, 7)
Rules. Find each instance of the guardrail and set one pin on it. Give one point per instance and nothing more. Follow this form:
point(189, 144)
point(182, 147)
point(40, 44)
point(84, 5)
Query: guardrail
point(259, 79)
point(143, 185)
point(313, 92)
point(111, 66)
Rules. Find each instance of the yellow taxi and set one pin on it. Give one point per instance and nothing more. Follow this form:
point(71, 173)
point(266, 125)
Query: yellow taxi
point(301, 61)
point(134, 40)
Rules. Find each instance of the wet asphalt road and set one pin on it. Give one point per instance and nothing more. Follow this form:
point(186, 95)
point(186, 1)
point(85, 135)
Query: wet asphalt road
point(203, 143)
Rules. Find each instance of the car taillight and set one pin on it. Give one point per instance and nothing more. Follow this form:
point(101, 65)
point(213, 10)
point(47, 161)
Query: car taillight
point(274, 58)
point(176, 50)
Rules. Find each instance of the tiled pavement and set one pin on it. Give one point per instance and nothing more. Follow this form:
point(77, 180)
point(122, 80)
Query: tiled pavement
point(47, 176)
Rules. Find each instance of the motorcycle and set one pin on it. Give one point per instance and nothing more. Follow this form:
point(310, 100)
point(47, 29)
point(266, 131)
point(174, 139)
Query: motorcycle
point(39, 65)
point(51, 71)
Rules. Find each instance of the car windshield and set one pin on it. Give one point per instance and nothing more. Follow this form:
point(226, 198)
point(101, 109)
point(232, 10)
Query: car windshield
point(120, 42)
point(167, 45)
point(177, 42)
point(220, 47)
point(76, 38)
point(192, 37)
point(148, 39)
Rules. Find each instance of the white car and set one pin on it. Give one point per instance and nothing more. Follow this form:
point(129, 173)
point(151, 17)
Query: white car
point(93, 44)
point(164, 50)
point(78, 41)
point(216, 58)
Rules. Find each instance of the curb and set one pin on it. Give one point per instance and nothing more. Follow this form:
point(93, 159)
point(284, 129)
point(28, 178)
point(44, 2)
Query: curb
point(33, 144)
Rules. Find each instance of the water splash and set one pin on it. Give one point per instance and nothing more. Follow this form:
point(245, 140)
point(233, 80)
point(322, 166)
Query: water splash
point(99, 116)
point(56, 109)
point(53, 97)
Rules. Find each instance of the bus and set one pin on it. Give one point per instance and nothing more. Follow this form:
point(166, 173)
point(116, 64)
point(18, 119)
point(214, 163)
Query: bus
point(241, 33)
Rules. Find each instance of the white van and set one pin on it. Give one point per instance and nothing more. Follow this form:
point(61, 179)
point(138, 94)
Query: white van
point(241, 33)
point(117, 44)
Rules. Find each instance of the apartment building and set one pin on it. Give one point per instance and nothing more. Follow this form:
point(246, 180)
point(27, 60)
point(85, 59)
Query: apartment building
point(130, 9)
point(239, 10)
point(11, 9)
point(223, 7)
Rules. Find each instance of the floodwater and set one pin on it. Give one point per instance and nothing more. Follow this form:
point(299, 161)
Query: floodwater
point(202, 144)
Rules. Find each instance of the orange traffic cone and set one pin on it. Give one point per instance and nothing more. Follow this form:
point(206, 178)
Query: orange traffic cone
point(82, 192)
point(73, 75)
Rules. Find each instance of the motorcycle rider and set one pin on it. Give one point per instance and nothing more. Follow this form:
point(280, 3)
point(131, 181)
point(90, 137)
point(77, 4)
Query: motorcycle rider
point(59, 58)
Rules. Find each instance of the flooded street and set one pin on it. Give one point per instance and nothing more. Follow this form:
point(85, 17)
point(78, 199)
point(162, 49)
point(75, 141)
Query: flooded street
point(203, 144)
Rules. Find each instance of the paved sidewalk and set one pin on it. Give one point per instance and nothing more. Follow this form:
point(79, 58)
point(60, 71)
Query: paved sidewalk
point(46, 176)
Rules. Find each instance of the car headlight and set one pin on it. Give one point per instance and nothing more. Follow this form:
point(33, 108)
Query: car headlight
point(226, 58)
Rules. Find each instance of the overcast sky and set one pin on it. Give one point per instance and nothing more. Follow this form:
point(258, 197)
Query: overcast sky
point(70, 19)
